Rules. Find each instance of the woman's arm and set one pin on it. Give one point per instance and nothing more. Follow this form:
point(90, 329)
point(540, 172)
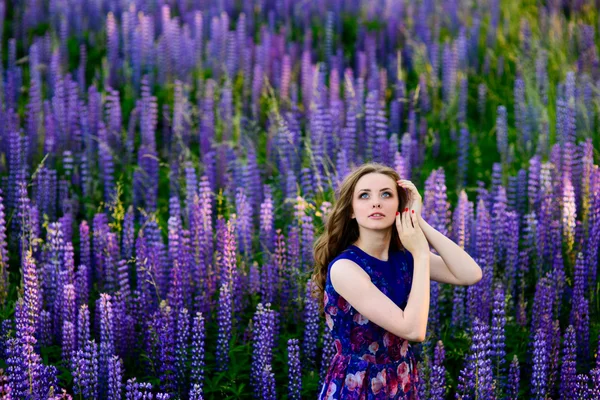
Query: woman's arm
point(417, 306)
point(453, 258)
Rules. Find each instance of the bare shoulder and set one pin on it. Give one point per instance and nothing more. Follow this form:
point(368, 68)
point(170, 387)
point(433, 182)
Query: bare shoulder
point(344, 272)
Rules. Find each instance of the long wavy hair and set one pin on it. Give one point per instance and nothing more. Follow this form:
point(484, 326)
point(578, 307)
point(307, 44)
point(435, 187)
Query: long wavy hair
point(341, 230)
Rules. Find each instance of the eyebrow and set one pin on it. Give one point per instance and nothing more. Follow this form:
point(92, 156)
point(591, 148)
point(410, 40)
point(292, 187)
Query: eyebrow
point(368, 190)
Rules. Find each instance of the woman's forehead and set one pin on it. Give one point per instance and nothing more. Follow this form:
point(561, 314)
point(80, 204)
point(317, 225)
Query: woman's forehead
point(373, 181)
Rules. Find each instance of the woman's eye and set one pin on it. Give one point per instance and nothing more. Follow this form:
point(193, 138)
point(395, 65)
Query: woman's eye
point(388, 193)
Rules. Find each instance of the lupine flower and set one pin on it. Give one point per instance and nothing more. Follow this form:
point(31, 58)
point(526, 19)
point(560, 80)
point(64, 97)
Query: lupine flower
point(224, 321)
point(115, 377)
point(165, 335)
point(197, 353)
point(262, 346)
point(181, 346)
point(107, 343)
point(502, 132)
point(438, 372)
point(3, 255)
point(196, 393)
point(311, 321)
point(327, 355)
point(83, 326)
point(138, 391)
point(540, 365)
point(512, 391)
point(294, 370)
point(497, 348)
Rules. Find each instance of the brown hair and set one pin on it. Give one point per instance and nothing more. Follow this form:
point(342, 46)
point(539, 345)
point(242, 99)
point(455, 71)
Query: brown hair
point(341, 230)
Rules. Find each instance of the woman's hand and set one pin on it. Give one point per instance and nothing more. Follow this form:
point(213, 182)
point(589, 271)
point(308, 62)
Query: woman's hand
point(411, 235)
point(415, 201)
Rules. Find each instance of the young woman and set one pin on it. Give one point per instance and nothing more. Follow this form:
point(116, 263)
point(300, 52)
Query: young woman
point(372, 275)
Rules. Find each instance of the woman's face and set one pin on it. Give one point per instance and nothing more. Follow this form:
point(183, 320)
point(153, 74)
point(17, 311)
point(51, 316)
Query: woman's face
point(375, 193)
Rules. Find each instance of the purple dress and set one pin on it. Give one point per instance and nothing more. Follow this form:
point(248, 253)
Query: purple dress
point(370, 362)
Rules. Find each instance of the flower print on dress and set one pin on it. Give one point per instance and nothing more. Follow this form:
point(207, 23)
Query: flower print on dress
point(378, 383)
point(403, 376)
point(355, 381)
point(360, 319)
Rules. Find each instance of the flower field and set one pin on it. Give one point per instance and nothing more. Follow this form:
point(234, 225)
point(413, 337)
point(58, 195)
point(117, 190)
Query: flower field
point(166, 166)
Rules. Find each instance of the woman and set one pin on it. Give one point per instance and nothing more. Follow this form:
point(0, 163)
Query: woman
point(372, 275)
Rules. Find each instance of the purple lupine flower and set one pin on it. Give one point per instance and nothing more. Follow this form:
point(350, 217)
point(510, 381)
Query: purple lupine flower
point(3, 255)
point(5, 392)
point(497, 349)
point(512, 390)
point(463, 156)
point(475, 379)
point(138, 391)
point(294, 370)
point(32, 299)
point(244, 227)
point(165, 330)
point(484, 253)
point(499, 211)
point(115, 378)
point(482, 363)
point(175, 295)
point(224, 322)
point(107, 341)
point(282, 270)
point(128, 241)
point(307, 227)
point(268, 383)
point(68, 340)
point(542, 309)
point(311, 321)
point(512, 250)
point(582, 389)
point(27, 375)
point(449, 71)
point(107, 169)
point(465, 385)
point(580, 316)
point(112, 39)
point(462, 220)
point(380, 152)
point(181, 346)
point(84, 247)
point(197, 353)
point(267, 228)
point(462, 100)
point(262, 345)
point(329, 351)
point(569, 363)
point(481, 99)
point(196, 393)
point(83, 326)
point(523, 128)
point(45, 334)
point(569, 214)
point(502, 133)
point(540, 365)
point(438, 372)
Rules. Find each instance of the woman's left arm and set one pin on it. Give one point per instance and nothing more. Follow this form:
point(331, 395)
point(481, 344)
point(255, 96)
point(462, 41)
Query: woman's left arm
point(453, 265)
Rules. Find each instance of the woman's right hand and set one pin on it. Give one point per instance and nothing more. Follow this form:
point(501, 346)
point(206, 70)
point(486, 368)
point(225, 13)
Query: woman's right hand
point(411, 235)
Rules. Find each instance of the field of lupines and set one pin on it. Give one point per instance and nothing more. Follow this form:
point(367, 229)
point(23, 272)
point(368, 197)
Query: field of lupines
point(166, 167)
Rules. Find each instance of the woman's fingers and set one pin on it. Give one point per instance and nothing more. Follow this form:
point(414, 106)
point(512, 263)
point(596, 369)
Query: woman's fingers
point(406, 221)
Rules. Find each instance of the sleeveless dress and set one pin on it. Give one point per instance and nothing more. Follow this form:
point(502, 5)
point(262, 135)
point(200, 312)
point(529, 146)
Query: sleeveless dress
point(370, 362)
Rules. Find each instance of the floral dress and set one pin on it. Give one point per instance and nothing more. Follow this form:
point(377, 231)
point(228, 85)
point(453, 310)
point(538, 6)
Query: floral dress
point(370, 362)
